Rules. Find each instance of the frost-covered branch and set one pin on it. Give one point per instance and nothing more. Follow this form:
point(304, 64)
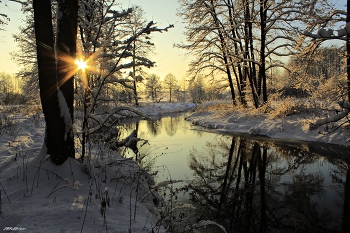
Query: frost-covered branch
point(335, 118)
point(328, 34)
point(103, 122)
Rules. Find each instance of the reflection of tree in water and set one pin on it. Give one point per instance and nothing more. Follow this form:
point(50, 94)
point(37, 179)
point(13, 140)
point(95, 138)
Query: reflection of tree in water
point(171, 125)
point(341, 181)
point(260, 190)
point(154, 127)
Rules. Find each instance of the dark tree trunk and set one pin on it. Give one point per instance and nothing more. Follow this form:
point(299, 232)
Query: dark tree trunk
point(134, 74)
point(249, 67)
point(66, 48)
point(58, 139)
point(240, 81)
point(262, 71)
point(224, 49)
point(348, 50)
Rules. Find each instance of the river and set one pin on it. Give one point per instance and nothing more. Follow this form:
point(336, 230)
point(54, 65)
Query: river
point(246, 184)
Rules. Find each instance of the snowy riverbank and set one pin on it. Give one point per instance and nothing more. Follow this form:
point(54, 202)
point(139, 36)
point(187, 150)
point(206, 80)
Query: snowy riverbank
point(294, 126)
point(37, 196)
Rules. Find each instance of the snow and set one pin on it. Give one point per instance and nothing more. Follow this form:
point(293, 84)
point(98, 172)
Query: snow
point(37, 196)
point(64, 110)
point(329, 34)
point(296, 127)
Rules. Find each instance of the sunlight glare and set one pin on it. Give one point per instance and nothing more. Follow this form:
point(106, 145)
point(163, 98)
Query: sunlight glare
point(81, 64)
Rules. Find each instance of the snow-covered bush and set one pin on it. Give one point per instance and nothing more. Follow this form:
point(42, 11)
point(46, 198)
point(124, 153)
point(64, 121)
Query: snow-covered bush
point(7, 123)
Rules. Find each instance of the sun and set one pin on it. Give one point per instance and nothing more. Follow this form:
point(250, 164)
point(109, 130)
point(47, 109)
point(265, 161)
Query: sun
point(81, 64)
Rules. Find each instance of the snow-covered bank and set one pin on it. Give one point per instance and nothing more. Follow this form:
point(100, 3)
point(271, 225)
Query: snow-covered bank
point(41, 197)
point(291, 127)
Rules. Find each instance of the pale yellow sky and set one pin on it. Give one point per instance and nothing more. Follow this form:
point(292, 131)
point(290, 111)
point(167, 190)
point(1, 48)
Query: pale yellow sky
point(168, 59)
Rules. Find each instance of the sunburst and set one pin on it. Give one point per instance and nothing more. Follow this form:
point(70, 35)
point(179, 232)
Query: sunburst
point(81, 64)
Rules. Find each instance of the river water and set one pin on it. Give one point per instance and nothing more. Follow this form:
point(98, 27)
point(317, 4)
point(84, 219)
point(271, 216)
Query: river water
point(246, 184)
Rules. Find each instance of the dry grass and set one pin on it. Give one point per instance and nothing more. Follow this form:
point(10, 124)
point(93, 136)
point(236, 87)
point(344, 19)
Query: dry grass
point(275, 108)
point(287, 107)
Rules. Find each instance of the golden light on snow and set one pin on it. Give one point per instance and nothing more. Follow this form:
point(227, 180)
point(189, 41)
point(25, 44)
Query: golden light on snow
point(81, 64)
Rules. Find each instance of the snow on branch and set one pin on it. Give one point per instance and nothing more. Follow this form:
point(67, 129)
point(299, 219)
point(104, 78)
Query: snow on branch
point(335, 118)
point(103, 122)
point(147, 30)
point(329, 34)
point(117, 14)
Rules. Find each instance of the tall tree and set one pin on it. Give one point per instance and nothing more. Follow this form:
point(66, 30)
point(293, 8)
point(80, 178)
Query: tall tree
point(55, 69)
point(206, 39)
point(170, 83)
point(153, 87)
point(243, 39)
point(108, 50)
point(142, 46)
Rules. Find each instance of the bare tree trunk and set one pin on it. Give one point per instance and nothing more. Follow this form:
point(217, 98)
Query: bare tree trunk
point(134, 74)
point(262, 71)
point(241, 83)
point(249, 67)
point(348, 50)
point(224, 49)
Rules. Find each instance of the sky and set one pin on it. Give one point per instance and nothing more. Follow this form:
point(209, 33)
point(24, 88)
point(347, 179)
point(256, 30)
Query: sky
point(168, 59)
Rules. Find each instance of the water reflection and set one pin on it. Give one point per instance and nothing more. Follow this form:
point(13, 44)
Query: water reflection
point(252, 185)
point(265, 188)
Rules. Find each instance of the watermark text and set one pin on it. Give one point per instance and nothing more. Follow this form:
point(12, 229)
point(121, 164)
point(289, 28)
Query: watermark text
point(14, 229)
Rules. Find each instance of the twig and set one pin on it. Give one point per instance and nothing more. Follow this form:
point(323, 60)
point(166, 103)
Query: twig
point(87, 203)
point(5, 193)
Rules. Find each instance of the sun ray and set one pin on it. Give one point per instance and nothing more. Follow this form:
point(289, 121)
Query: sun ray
point(81, 64)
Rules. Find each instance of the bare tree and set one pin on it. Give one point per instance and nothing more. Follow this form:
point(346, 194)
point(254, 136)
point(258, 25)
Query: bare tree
point(107, 48)
point(243, 39)
point(170, 83)
point(197, 89)
point(141, 46)
point(153, 87)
